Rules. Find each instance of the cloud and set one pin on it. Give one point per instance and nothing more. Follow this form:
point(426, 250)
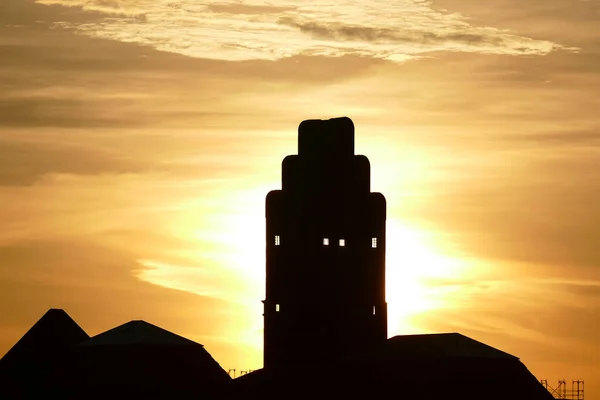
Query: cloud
point(58, 79)
point(22, 13)
point(535, 318)
point(575, 21)
point(95, 285)
point(251, 30)
point(24, 162)
point(248, 9)
point(539, 207)
point(215, 282)
point(426, 40)
point(559, 139)
point(57, 112)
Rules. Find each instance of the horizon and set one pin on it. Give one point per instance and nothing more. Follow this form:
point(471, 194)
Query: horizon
point(138, 141)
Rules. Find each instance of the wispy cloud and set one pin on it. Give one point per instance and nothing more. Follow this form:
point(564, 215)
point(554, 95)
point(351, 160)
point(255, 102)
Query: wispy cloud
point(250, 29)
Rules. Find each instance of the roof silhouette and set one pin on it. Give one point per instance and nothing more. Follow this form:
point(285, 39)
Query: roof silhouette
point(32, 362)
point(430, 366)
point(138, 332)
point(145, 361)
point(442, 345)
point(53, 332)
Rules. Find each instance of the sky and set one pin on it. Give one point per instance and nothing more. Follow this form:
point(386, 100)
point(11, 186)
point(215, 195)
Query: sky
point(138, 139)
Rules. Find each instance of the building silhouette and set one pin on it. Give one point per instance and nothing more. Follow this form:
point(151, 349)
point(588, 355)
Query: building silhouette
point(325, 272)
point(446, 366)
point(57, 359)
point(325, 315)
point(142, 360)
point(36, 360)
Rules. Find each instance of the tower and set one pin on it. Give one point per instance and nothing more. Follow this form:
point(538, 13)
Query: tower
point(325, 244)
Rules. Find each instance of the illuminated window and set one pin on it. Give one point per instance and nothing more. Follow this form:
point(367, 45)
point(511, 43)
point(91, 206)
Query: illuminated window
point(374, 242)
point(277, 240)
point(325, 241)
point(342, 242)
point(276, 307)
point(373, 310)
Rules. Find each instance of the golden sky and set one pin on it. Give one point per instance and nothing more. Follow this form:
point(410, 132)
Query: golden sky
point(138, 139)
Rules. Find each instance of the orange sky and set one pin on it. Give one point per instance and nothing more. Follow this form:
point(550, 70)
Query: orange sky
point(138, 140)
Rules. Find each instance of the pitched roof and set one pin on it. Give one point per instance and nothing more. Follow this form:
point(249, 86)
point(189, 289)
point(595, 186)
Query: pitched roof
point(442, 345)
point(138, 332)
point(142, 359)
point(54, 331)
point(408, 348)
point(436, 366)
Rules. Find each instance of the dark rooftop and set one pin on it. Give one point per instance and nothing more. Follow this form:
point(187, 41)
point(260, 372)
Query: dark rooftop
point(138, 332)
point(54, 331)
point(442, 345)
point(145, 361)
point(430, 366)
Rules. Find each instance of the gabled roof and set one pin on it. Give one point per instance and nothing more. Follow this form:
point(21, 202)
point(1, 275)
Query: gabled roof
point(442, 345)
point(408, 348)
point(436, 366)
point(54, 331)
point(140, 358)
point(138, 332)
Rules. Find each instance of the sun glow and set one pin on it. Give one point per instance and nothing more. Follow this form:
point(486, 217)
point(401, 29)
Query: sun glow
point(225, 255)
point(411, 258)
point(224, 258)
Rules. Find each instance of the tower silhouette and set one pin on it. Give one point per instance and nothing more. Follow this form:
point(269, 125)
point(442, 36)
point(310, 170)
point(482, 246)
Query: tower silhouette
point(325, 244)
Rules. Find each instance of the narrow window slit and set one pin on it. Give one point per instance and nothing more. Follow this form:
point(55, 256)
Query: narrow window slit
point(277, 240)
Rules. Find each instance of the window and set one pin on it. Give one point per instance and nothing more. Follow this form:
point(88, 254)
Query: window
point(325, 241)
point(277, 240)
point(276, 307)
point(374, 242)
point(342, 242)
point(373, 310)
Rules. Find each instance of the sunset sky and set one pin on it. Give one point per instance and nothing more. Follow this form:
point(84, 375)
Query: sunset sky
point(138, 139)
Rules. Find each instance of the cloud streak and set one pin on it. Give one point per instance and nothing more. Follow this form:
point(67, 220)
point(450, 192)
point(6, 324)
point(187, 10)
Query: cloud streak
point(251, 30)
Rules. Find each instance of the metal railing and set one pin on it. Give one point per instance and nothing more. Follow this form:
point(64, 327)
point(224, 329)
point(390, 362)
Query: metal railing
point(562, 392)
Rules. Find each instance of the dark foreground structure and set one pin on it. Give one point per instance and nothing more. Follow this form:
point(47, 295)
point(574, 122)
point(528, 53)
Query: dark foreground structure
point(325, 252)
point(415, 367)
point(325, 315)
point(57, 359)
